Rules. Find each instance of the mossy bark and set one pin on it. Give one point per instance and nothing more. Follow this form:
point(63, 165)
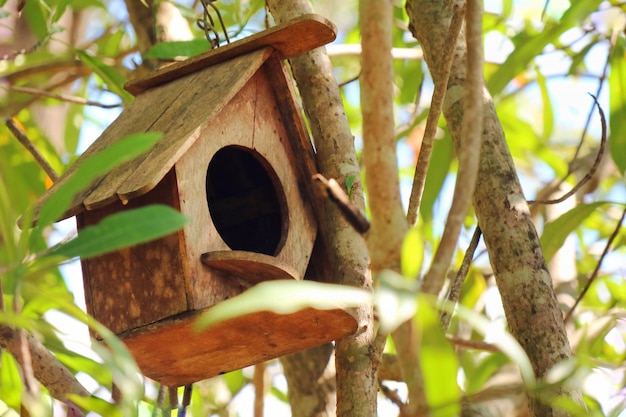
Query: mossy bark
point(530, 304)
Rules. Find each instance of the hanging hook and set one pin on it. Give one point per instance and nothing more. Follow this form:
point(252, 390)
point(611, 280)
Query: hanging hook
point(207, 24)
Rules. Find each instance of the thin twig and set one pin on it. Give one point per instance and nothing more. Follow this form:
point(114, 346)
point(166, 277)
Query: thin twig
point(182, 410)
point(61, 97)
point(491, 393)
point(473, 344)
point(48, 69)
point(25, 51)
point(469, 154)
point(455, 286)
point(30, 147)
point(14, 111)
point(349, 80)
point(596, 270)
point(436, 105)
point(603, 77)
point(160, 399)
point(172, 397)
point(596, 163)
point(392, 395)
point(338, 196)
point(26, 363)
point(258, 380)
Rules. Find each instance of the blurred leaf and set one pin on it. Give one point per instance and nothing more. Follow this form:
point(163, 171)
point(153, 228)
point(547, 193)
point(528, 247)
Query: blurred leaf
point(438, 361)
point(91, 168)
point(60, 9)
point(10, 381)
point(617, 89)
point(171, 50)
point(412, 253)
point(36, 15)
point(280, 395)
point(78, 363)
point(578, 60)
point(293, 295)
point(497, 336)
point(438, 170)
point(525, 52)
point(548, 115)
point(349, 182)
point(37, 403)
point(408, 77)
point(109, 46)
point(126, 228)
point(235, 381)
point(555, 232)
point(394, 299)
point(113, 79)
point(486, 369)
point(96, 405)
point(74, 121)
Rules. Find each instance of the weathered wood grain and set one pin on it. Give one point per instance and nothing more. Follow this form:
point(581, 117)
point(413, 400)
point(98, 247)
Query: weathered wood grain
point(191, 113)
point(173, 353)
point(288, 39)
point(251, 266)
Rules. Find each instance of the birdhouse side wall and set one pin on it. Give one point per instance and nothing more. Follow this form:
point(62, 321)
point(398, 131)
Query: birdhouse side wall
point(142, 284)
point(250, 121)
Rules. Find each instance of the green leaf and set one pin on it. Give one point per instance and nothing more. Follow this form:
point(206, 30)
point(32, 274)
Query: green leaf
point(555, 232)
point(484, 371)
point(123, 229)
point(526, 52)
point(412, 253)
point(438, 361)
point(437, 172)
point(293, 295)
point(235, 381)
point(36, 14)
point(617, 89)
point(60, 10)
point(113, 79)
point(95, 405)
point(349, 182)
point(171, 50)
point(497, 335)
point(578, 60)
point(10, 381)
point(394, 299)
point(548, 115)
point(93, 167)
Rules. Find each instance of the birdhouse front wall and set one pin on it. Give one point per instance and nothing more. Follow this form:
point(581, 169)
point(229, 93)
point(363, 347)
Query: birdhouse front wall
point(245, 153)
point(141, 284)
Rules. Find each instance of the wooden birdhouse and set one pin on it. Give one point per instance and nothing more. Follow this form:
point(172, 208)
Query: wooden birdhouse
point(233, 158)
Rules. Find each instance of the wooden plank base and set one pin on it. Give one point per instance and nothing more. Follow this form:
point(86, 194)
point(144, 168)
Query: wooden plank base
point(173, 353)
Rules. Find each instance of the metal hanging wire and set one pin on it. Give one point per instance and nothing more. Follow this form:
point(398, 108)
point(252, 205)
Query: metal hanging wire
point(207, 24)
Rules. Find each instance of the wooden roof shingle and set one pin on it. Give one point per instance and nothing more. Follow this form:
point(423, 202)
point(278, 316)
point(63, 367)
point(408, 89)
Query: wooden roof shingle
point(180, 101)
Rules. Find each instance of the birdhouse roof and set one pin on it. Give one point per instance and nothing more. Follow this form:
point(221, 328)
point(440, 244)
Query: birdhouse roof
point(179, 101)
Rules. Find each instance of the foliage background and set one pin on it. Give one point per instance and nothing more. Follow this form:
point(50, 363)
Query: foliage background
point(539, 70)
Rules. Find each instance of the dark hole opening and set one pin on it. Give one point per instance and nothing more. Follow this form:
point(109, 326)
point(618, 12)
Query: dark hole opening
point(244, 201)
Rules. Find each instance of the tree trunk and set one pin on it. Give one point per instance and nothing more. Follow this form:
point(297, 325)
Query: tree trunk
point(311, 381)
point(357, 357)
point(530, 304)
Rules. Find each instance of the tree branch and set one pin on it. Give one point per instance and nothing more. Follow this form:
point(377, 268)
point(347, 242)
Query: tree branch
point(594, 274)
point(525, 285)
point(61, 97)
point(20, 135)
point(469, 152)
point(436, 103)
point(357, 356)
point(47, 369)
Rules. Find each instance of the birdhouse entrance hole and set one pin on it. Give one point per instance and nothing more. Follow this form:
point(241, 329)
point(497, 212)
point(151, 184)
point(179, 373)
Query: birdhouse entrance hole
point(246, 201)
